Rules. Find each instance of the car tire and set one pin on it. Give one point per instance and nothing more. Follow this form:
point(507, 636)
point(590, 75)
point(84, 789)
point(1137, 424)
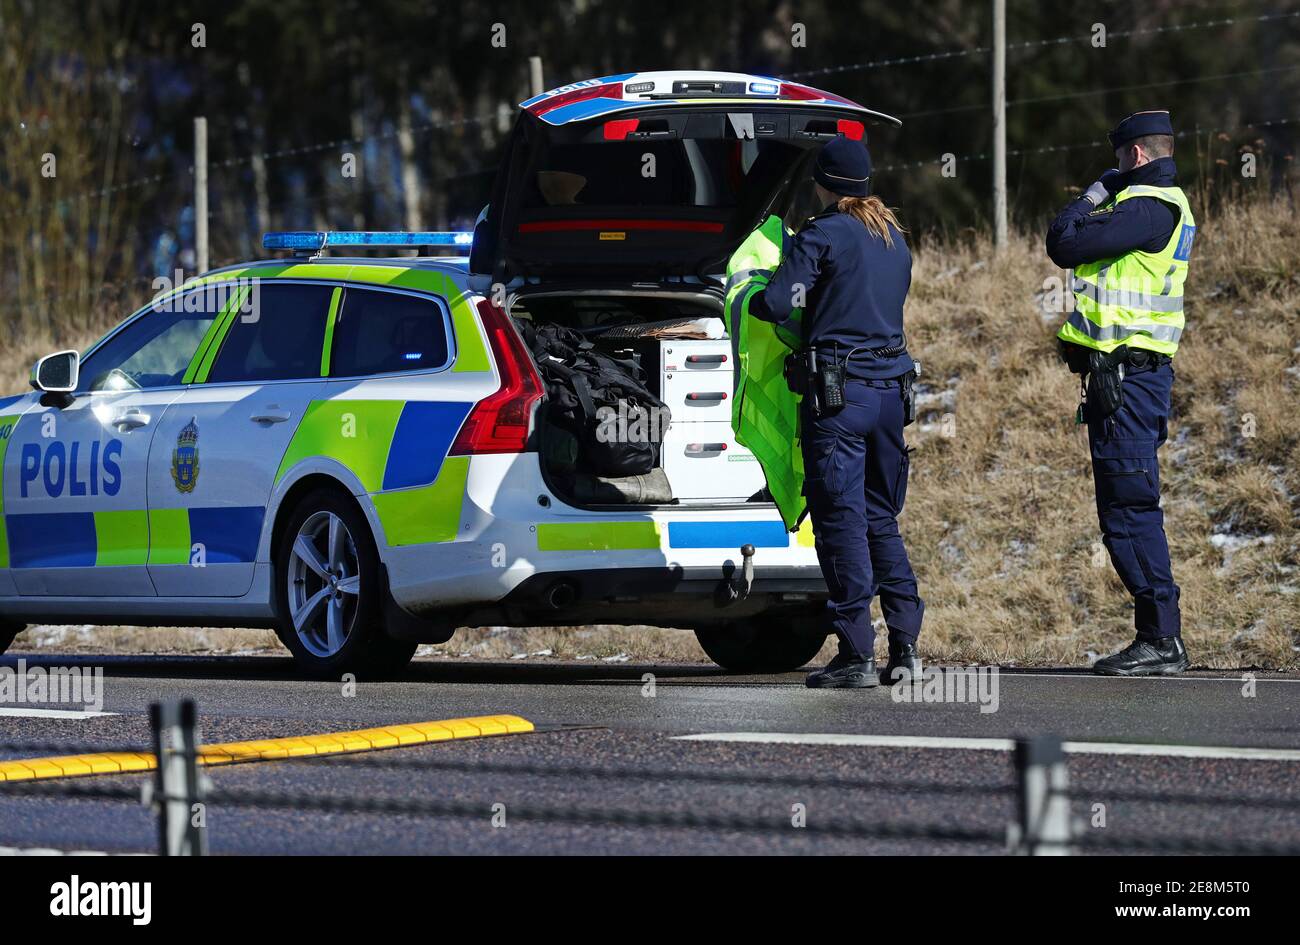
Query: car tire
point(760, 646)
point(8, 631)
point(329, 591)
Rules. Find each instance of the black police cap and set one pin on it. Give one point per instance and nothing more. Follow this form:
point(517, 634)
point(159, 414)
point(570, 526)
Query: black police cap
point(844, 167)
point(1139, 125)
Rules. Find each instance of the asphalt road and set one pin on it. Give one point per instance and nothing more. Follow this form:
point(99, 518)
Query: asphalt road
point(609, 746)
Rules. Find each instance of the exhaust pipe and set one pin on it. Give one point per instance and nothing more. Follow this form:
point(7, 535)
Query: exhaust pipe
point(561, 594)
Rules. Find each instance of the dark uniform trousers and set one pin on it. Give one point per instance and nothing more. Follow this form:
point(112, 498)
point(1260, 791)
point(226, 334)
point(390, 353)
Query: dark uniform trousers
point(1127, 477)
point(855, 479)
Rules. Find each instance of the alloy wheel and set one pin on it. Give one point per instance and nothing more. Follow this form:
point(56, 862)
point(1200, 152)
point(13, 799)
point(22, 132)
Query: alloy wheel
point(324, 583)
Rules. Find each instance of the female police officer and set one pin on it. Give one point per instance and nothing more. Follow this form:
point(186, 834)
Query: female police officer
point(850, 270)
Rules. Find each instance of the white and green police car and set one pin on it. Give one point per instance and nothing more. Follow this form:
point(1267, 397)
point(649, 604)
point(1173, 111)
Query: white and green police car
point(355, 451)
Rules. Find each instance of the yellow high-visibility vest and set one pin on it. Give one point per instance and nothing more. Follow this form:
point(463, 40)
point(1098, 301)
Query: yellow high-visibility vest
point(764, 413)
point(1135, 299)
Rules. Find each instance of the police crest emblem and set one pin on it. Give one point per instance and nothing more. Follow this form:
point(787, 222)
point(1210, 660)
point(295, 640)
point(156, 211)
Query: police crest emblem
point(185, 458)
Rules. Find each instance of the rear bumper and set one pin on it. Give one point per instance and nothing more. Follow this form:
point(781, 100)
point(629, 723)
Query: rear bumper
point(678, 597)
point(521, 554)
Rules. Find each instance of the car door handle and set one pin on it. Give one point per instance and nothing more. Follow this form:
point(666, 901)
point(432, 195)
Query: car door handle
point(271, 414)
point(130, 420)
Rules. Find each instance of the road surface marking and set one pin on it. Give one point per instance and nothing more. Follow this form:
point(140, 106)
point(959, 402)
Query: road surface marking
point(992, 744)
point(24, 713)
point(51, 851)
point(271, 749)
point(1031, 674)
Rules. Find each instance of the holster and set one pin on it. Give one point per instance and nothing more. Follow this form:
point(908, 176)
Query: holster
point(820, 384)
point(1074, 356)
point(1105, 382)
point(908, 382)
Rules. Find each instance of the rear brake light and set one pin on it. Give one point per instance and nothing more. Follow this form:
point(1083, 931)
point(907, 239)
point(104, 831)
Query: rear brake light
point(619, 128)
point(553, 226)
point(798, 93)
point(850, 129)
point(499, 422)
point(794, 91)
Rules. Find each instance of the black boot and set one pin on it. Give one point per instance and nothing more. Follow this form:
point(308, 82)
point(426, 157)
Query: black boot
point(1146, 656)
point(844, 672)
point(902, 656)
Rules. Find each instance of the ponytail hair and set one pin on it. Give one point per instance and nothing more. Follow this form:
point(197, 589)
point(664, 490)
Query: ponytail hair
point(872, 213)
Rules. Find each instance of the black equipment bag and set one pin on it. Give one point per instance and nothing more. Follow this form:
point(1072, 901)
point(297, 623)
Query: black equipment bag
point(603, 401)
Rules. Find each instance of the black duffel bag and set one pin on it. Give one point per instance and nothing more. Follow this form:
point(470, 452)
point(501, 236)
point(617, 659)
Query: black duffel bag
point(603, 401)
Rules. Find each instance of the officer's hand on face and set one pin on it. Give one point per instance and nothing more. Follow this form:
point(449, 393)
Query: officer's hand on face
point(1099, 190)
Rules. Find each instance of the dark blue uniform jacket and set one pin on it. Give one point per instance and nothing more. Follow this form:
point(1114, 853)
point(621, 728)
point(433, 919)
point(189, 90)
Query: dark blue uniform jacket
point(854, 288)
point(1083, 234)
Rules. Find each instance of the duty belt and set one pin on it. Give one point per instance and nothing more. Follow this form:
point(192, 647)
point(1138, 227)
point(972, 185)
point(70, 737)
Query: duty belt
point(1076, 356)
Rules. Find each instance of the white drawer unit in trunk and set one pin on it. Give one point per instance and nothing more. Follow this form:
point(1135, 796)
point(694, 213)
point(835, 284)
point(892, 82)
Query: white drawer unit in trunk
point(704, 461)
point(697, 380)
point(694, 398)
point(696, 356)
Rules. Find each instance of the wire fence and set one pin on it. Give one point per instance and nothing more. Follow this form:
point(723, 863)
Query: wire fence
point(1065, 40)
point(1042, 798)
point(239, 160)
point(322, 196)
point(315, 147)
point(1050, 148)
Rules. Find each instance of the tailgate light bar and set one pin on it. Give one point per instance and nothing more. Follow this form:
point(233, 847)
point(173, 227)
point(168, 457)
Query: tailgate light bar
point(316, 241)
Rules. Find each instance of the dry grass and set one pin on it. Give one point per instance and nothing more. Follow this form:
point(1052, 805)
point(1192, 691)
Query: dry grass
point(1000, 518)
point(609, 643)
point(126, 641)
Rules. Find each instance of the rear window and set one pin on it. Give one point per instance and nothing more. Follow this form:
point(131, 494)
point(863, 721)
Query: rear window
point(690, 172)
point(383, 332)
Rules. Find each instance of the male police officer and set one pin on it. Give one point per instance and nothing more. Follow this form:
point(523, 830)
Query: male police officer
point(1128, 239)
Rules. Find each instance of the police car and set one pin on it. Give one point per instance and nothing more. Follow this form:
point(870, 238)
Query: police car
point(355, 451)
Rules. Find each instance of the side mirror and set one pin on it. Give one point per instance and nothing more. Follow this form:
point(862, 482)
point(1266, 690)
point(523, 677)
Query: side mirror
point(57, 373)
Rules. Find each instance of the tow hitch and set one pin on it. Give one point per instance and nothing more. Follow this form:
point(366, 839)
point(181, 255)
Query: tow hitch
point(739, 590)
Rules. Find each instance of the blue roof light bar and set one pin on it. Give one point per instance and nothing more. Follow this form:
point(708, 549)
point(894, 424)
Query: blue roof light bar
point(307, 240)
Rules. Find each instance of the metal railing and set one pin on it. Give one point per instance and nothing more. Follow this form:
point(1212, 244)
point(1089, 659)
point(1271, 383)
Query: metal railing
point(180, 793)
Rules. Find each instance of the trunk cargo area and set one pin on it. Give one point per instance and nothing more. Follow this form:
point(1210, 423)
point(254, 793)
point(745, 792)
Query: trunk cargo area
point(678, 339)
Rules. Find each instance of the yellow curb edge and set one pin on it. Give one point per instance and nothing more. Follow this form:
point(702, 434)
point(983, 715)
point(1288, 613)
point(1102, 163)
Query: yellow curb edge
point(401, 735)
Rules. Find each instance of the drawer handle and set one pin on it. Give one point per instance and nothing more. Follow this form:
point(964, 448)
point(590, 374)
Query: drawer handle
point(706, 359)
point(708, 396)
point(693, 449)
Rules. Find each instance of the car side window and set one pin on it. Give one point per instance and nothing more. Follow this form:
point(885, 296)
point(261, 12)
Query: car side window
point(384, 332)
point(155, 349)
point(279, 339)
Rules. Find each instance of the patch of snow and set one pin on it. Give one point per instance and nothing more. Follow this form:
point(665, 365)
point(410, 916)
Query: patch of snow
point(1228, 542)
